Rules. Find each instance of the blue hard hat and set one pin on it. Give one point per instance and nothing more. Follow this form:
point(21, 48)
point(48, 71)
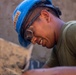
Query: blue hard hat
point(21, 12)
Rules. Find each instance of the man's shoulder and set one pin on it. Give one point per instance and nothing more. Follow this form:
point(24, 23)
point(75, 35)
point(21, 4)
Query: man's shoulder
point(70, 35)
point(69, 29)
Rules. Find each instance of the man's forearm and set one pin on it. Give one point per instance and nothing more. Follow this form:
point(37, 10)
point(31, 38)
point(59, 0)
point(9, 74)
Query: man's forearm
point(53, 71)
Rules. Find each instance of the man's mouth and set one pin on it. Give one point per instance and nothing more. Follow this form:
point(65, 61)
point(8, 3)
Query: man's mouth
point(41, 42)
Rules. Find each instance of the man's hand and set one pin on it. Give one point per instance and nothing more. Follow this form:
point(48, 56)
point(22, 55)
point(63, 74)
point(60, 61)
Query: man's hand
point(53, 71)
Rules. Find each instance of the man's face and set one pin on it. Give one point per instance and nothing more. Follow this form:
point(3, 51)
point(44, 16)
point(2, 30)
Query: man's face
point(43, 33)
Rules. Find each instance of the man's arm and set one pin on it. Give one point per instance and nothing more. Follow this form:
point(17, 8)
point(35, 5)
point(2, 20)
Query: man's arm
point(53, 71)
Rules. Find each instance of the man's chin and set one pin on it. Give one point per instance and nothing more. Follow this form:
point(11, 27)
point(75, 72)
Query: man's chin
point(48, 46)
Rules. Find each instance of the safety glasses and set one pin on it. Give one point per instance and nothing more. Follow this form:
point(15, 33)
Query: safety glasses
point(28, 34)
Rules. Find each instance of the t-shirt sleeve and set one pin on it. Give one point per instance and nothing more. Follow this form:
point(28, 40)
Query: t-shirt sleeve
point(71, 38)
point(53, 60)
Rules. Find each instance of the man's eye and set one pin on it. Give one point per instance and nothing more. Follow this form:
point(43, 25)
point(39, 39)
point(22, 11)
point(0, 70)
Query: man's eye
point(29, 32)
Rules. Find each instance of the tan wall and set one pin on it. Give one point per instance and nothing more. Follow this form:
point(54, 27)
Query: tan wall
point(7, 31)
point(6, 26)
point(68, 8)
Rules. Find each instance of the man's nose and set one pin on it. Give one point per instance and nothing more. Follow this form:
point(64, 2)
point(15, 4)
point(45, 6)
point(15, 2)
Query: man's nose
point(34, 39)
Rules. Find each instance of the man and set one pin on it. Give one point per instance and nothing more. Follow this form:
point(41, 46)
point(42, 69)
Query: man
point(38, 21)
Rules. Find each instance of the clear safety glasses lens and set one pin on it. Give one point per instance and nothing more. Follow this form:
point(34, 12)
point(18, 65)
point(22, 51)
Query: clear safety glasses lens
point(28, 35)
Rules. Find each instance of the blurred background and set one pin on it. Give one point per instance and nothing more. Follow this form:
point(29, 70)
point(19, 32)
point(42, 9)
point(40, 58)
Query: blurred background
point(7, 32)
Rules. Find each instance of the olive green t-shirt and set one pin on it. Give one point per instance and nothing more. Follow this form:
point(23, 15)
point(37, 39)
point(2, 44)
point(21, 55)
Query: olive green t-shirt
point(64, 53)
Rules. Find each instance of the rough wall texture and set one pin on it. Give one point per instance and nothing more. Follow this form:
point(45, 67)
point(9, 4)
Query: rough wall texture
point(68, 7)
point(6, 26)
point(12, 58)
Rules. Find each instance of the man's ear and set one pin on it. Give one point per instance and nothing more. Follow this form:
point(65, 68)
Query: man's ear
point(45, 14)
